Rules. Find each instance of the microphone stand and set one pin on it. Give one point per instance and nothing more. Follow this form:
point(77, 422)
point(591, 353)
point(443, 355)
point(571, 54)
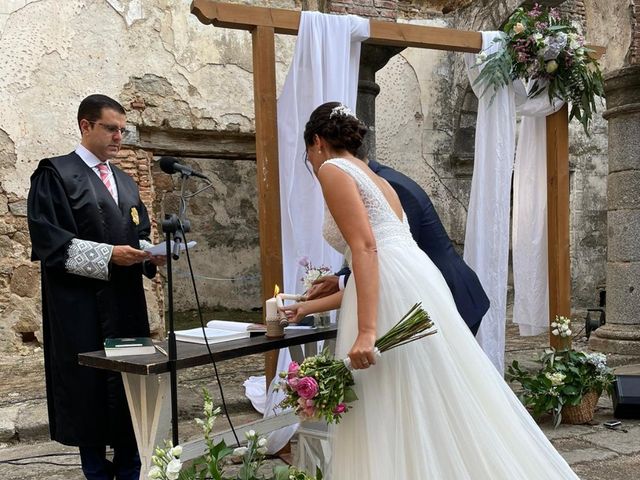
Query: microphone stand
point(174, 226)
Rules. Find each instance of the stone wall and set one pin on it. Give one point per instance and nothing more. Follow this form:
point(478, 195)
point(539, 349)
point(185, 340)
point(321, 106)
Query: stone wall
point(188, 92)
point(171, 73)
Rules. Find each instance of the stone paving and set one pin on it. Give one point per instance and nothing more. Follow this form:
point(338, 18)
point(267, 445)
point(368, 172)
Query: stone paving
point(595, 452)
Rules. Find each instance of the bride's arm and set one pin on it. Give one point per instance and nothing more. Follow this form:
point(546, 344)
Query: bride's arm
point(350, 214)
point(298, 311)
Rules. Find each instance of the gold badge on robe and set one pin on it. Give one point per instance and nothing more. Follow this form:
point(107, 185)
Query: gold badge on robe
point(134, 216)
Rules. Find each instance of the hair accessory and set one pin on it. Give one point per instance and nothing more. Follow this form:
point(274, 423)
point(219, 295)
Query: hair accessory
point(341, 111)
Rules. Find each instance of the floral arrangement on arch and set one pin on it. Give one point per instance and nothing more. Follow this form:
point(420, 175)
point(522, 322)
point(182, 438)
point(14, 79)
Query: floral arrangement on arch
point(546, 51)
point(564, 379)
point(214, 464)
point(311, 272)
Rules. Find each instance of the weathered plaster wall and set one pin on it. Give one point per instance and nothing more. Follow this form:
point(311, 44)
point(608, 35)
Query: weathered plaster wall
point(168, 70)
point(174, 74)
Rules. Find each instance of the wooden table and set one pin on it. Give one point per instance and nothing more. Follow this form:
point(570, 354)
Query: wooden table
point(146, 383)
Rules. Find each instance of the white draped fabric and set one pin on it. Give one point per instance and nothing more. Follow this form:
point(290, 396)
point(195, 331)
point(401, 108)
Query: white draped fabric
point(324, 68)
point(487, 233)
point(529, 243)
point(486, 243)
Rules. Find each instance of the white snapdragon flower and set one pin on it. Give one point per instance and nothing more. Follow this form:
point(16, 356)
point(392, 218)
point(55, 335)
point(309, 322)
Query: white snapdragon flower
point(173, 469)
point(240, 451)
point(155, 472)
point(556, 378)
point(250, 434)
point(208, 408)
point(555, 331)
point(176, 451)
point(262, 450)
point(262, 442)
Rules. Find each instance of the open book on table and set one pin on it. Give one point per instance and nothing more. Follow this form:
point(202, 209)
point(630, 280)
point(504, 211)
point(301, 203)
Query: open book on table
point(255, 328)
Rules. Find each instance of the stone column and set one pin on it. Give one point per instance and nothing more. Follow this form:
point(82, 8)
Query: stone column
point(621, 334)
point(372, 59)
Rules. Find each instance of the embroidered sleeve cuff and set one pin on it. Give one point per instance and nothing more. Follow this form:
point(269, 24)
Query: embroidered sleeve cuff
point(89, 259)
point(341, 282)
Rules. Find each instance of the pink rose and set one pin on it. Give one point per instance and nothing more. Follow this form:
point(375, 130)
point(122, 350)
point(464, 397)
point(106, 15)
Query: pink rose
point(340, 408)
point(294, 369)
point(307, 387)
point(293, 382)
point(307, 408)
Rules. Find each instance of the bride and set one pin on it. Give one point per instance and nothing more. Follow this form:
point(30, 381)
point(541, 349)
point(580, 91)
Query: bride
point(435, 408)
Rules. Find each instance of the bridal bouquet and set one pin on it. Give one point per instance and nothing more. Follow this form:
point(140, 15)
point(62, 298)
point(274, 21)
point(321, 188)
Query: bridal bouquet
point(311, 272)
point(321, 387)
point(548, 51)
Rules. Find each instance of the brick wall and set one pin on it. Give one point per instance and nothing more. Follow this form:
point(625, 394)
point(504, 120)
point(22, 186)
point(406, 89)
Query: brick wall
point(378, 9)
point(574, 10)
point(137, 164)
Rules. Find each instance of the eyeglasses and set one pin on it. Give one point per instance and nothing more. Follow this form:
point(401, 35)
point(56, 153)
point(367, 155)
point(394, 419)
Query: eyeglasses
point(112, 129)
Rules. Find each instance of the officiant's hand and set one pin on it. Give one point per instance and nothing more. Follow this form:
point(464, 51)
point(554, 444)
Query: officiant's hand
point(158, 260)
point(361, 354)
point(126, 255)
point(295, 312)
point(323, 287)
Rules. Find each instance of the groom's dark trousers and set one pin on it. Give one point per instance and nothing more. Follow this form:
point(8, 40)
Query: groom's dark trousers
point(430, 235)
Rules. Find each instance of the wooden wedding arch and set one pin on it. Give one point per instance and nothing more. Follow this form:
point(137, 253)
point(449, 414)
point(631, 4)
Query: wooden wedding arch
point(264, 23)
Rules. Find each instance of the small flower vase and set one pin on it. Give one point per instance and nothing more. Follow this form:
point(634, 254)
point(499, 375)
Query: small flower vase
point(321, 319)
point(563, 343)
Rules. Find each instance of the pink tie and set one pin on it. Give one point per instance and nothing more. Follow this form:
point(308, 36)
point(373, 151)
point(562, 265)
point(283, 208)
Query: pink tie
point(104, 176)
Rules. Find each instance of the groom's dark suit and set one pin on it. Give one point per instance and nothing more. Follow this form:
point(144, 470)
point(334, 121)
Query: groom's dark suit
point(430, 235)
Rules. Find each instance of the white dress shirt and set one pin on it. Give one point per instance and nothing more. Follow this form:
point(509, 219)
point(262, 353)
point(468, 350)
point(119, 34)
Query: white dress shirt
point(92, 162)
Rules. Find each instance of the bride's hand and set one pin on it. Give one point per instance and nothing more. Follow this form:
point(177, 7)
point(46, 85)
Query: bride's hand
point(361, 353)
point(295, 312)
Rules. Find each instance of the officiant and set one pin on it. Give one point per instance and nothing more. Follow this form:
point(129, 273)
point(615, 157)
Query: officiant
point(88, 227)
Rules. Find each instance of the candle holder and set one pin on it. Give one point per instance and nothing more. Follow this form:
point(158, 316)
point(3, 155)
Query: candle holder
point(275, 327)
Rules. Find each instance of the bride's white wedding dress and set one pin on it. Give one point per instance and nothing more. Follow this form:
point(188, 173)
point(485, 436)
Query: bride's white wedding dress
point(436, 408)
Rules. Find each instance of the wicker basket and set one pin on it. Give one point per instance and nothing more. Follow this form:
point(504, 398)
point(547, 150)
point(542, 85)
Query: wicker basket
point(583, 412)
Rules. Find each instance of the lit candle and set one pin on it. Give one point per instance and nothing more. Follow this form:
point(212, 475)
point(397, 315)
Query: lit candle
point(271, 305)
point(271, 308)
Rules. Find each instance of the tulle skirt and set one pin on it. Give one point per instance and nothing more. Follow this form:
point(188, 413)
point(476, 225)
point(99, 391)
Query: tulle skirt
point(436, 408)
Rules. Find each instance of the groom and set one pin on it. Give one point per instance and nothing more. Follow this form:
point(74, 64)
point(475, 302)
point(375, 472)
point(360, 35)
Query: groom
point(429, 233)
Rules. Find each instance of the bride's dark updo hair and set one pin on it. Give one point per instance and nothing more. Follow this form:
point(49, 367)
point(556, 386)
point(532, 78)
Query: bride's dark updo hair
point(337, 125)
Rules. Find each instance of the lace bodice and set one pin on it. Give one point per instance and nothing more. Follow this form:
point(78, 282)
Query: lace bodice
point(385, 224)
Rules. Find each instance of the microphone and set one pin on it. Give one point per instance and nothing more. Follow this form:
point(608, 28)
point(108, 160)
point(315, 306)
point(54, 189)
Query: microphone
point(170, 165)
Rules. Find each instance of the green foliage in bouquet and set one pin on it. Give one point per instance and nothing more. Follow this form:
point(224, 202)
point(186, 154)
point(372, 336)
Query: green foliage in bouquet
point(212, 465)
point(563, 379)
point(321, 387)
point(548, 51)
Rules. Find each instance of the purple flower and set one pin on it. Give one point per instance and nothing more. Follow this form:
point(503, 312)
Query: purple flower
point(304, 261)
point(307, 387)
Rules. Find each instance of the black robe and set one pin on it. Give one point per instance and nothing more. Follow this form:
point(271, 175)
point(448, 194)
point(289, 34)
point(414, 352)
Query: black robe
point(67, 200)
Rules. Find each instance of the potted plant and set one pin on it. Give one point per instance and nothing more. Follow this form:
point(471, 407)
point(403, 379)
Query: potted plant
point(567, 385)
